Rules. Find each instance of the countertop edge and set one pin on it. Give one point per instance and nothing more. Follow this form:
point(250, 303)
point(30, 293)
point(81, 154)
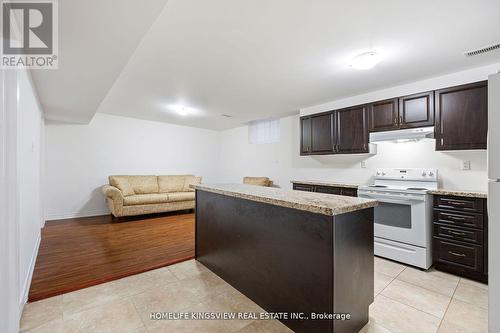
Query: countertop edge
point(324, 183)
point(459, 193)
point(293, 205)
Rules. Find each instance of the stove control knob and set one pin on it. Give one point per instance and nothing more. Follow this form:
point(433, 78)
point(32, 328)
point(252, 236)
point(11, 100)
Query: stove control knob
point(378, 173)
point(383, 173)
point(424, 173)
point(431, 173)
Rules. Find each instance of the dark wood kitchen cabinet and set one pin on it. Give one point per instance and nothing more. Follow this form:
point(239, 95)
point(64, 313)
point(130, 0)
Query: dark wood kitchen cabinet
point(410, 111)
point(351, 130)
point(416, 110)
point(462, 117)
point(342, 131)
point(383, 115)
point(317, 134)
point(338, 190)
point(305, 135)
point(460, 236)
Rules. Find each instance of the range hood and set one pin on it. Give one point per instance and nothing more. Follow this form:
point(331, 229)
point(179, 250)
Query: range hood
point(403, 134)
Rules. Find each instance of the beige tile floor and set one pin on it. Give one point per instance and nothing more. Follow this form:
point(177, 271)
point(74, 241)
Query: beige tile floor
point(406, 300)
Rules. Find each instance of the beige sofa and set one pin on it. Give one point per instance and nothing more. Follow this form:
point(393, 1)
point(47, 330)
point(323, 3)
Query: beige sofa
point(137, 195)
point(259, 181)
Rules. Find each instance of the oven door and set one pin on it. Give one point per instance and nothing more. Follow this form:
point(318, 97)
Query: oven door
point(399, 218)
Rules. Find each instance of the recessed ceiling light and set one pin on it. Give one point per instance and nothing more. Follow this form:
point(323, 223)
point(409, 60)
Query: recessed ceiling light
point(365, 60)
point(182, 110)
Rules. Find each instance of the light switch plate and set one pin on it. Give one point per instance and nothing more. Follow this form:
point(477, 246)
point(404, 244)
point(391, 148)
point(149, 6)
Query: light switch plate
point(465, 165)
point(363, 164)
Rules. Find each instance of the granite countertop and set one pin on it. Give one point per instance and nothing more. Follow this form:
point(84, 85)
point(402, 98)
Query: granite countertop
point(326, 204)
point(458, 193)
point(324, 182)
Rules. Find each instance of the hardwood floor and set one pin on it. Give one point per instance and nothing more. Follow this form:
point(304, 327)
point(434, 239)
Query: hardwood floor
point(81, 252)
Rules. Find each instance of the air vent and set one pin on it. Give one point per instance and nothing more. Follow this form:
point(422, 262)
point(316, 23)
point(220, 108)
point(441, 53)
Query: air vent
point(226, 115)
point(482, 50)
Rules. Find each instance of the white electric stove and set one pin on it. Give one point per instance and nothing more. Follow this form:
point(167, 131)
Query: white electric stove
point(403, 218)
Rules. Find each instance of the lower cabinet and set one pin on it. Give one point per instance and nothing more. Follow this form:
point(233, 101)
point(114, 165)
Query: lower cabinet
point(460, 236)
point(337, 190)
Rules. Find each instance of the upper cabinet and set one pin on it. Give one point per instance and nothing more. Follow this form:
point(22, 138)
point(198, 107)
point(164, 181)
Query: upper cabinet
point(462, 117)
point(459, 114)
point(416, 110)
point(384, 115)
point(305, 135)
point(337, 132)
point(317, 134)
point(351, 130)
point(404, 112)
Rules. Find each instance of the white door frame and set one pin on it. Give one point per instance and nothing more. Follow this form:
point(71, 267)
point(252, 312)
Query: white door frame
point(9, 203)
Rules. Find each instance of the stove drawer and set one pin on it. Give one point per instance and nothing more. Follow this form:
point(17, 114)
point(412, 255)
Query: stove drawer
point(459, 219)
point(463, 235)
point(461, 255)
point(459, 203)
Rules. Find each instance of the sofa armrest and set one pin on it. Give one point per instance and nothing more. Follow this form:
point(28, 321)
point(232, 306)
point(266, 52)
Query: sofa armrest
point(113, 193)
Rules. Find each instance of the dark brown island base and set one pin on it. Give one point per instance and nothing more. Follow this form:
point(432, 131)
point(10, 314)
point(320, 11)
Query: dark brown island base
point(291, 252)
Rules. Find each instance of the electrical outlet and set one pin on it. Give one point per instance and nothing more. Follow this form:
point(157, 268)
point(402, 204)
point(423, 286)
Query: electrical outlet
point(465, 165)
point(363, 164)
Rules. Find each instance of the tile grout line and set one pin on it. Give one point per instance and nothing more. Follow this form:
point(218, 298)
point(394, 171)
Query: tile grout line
point(392, 280)
point(449, 303)
point(138, 313)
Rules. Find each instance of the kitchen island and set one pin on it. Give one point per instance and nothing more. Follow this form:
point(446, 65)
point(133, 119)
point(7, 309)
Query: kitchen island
point(298, 253)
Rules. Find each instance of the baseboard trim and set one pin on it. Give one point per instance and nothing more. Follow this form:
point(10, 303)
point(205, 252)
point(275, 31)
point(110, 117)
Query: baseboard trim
point(60, 216)
point(27, 280)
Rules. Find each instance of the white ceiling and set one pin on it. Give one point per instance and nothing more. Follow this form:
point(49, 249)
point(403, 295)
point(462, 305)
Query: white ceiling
point(251, 59)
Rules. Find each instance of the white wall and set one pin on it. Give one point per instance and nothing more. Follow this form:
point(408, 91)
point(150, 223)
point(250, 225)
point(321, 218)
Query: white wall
point(281, 161)
point(21, 192)
point(79, 158)
point(30, 160)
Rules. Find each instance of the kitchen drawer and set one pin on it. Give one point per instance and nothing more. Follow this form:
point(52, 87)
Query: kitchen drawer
point(458, 219)
point(463, 235)
point(303, 187)
point(458, 254)
point(459, 203)
point(327, 189)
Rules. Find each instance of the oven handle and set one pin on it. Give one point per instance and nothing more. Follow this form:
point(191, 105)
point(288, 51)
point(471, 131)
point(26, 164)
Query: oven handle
point(406, 200)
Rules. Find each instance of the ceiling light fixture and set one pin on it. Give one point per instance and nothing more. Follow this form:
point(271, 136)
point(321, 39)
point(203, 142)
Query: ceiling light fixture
point(182, 110)
point(365, 60)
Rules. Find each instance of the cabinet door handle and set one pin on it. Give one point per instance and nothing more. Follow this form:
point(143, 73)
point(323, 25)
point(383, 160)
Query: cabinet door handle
point(456, 254)
point(457, 233)
point(457, 218)
point(400, 119)
point(456, 203)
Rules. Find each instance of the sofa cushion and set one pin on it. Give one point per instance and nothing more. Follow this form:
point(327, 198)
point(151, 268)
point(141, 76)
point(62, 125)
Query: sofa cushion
point(181, 196)
point(191, 180)
point(170, 184)
point(142, 184)
point(122, 183)
point(146, 199)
